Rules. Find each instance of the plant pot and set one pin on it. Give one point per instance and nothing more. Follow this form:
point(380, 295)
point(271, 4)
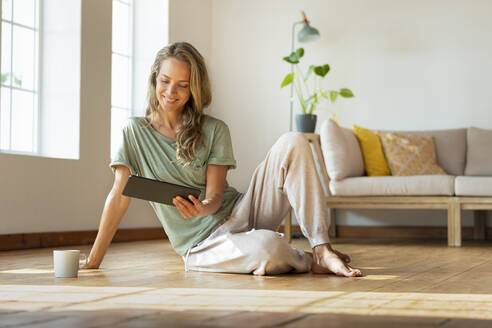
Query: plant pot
point(306, 123)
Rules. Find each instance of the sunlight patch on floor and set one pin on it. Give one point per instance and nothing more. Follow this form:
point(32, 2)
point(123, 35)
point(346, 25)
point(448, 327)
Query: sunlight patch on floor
point(31, 271)
point(378, 277)
point(63, 289)
point(477, 306)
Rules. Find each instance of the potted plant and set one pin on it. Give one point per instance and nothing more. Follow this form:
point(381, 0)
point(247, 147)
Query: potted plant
point(310, 97)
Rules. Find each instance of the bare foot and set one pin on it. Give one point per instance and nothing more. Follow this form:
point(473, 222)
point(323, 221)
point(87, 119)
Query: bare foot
point(328, 260)
point(343, 256)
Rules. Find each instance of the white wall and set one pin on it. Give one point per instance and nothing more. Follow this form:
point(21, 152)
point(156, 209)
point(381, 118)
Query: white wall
point(191, 21)
point(411, 64)
point(50, 194)
point(60, 79)
point(40, 194)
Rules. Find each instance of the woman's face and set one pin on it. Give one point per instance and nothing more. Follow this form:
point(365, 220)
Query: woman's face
point(173, 85)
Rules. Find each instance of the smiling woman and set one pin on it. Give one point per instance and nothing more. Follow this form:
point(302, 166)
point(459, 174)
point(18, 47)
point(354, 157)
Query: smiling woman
point(172, 89)
point(222, 230)
point(177, 74)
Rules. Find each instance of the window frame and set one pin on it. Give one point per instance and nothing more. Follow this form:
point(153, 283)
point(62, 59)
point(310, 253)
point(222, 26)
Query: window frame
point(36, 112)
point(130, 68)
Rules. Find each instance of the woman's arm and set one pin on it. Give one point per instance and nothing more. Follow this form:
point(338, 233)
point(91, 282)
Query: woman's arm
point(114, 209)
point(216, 177)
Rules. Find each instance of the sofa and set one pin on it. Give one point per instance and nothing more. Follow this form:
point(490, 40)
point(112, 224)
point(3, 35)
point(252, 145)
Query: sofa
point(464, 154)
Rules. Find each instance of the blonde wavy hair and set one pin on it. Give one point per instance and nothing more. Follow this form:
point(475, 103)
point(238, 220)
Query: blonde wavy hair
point(189, 133)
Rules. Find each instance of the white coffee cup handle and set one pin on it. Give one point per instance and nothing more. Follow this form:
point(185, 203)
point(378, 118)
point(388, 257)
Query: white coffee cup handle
point(82, 260)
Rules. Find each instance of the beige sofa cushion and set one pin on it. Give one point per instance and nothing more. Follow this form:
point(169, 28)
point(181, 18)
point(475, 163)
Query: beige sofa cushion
point(479, 152)
point(450, 148)
point(409, 154)
point(341, 151)
point(473, 186)
point(417, 185)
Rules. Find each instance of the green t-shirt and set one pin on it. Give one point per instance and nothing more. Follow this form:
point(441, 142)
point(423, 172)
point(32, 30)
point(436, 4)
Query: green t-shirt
point(147, 153)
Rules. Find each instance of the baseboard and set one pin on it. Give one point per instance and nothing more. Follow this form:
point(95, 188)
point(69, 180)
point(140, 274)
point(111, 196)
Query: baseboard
point(397, 232)
point(57, 239)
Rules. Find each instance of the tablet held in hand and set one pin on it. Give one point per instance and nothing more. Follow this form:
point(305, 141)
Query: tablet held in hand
point(157, 191)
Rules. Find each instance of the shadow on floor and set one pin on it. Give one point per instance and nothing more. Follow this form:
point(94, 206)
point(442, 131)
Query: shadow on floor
point(120, 318)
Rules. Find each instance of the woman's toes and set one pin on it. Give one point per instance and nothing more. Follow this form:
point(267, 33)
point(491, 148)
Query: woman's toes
point(355, 272)
point(348, 271)
point(342, 270)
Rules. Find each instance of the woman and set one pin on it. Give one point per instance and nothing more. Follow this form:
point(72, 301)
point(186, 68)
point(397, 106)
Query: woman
point(226, 231)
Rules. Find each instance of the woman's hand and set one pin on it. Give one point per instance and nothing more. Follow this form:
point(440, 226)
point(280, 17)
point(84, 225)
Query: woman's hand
point(89, 265)
point(216, 178)
point(187, 209)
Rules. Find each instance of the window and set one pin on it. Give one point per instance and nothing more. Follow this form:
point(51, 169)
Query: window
point(121, 71)
point(19, 75)
point(140, 29)
point(40, 47)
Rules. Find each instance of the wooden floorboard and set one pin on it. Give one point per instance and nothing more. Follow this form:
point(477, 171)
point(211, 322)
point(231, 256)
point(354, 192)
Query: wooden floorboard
point(407, 283)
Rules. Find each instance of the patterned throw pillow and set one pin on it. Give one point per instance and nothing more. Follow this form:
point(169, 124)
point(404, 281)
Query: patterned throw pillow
point(374, 161)
point(410, 155)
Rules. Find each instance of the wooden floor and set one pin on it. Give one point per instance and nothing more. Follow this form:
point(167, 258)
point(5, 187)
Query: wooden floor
point(142, 284)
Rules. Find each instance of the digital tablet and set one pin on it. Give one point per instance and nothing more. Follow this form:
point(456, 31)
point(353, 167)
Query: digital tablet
point(157, 191)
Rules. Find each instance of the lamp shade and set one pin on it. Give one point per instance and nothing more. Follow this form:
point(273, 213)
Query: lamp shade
point(307, 33)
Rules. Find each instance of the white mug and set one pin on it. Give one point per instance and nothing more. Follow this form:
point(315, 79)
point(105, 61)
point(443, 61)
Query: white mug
point(67, 263)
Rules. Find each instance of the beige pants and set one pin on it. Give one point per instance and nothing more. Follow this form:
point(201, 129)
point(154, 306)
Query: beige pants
point(247, 242)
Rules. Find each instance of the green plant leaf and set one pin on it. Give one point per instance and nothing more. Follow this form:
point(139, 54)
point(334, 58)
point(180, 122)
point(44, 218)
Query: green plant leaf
point(346, 93)
point(287, 80)
point(294, 56)
point(309, 72)
point(310, 100)
point(290, 59)
point(333, 96)
point(323, 93)
point(299, 53)
point(5, 77)
point(17, 81)
point(322, 70)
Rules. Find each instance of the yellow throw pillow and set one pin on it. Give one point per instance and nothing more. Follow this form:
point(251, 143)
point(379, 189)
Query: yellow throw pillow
point(409, 154)
point(374, 161)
